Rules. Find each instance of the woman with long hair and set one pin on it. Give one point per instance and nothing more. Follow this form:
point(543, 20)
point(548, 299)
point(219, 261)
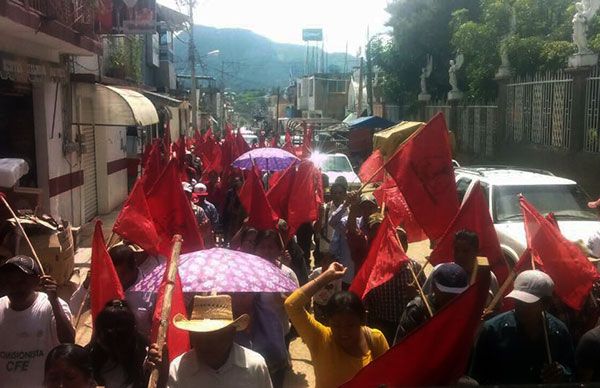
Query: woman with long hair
point(117, 349)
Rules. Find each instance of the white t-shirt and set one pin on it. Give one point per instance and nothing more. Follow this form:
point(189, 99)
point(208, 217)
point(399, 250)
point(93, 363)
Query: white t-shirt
point(26, 338)
point(243, 369)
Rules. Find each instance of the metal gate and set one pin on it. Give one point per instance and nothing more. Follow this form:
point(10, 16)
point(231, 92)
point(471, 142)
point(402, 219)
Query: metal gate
point(90, 193)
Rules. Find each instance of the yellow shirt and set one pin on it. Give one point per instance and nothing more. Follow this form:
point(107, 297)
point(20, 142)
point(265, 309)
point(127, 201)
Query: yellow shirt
point(332, 365)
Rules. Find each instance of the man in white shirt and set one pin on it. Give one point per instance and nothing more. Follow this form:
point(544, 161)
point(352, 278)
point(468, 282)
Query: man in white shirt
point(215, 360)
point(593, 243)
point(31, 323)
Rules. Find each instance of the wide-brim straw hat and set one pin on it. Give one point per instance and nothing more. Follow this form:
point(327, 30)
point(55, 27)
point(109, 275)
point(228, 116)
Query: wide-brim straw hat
point(211, 313)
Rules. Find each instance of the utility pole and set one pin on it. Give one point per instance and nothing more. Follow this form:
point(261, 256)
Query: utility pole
point(360, 89)
point(277, 115)
point(222, 95)
point(192, 58)
point(369, 78)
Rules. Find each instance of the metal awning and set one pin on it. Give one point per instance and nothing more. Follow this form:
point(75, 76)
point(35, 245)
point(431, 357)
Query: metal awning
point(164, 99)
point(113, 106)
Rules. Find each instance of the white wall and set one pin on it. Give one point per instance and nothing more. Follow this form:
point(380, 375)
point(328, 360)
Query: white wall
point(51, 162)
point(112, 189)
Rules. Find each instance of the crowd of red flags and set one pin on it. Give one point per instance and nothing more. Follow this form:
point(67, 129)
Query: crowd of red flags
point(417, 186)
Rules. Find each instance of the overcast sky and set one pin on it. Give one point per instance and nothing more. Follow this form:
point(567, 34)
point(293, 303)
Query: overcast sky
point(283, 20)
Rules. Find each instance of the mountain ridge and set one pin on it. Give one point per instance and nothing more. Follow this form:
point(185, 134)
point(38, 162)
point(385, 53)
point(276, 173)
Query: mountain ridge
point(247, 60)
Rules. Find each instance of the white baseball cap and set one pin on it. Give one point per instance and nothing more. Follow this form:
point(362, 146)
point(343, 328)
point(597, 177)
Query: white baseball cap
point(200, 189)
point(532, 285)
point(187, 187)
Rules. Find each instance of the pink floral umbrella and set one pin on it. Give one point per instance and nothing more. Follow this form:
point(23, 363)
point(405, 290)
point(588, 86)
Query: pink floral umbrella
point(221, 270)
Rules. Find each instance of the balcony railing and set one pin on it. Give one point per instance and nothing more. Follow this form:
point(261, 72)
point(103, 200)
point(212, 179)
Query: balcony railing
point(76, 14)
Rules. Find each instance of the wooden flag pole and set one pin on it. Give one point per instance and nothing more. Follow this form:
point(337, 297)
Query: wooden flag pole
point(546, 340)
point(507, 283)
point(420, 289)
point(12, 213)
point(166, 305)
point(416, 280)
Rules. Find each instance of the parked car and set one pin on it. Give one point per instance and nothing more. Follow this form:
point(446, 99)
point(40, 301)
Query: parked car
point(336, 165)
point(546, 192)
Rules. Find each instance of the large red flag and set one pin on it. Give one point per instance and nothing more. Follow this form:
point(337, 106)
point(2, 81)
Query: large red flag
point(172, 213)
point(305, 198)
point(383, 261)
point(153, 167)
point(178, 341)
point(135, 223)
point(372, 168)
point(423, 171)
point(104, 283)
point(474, 215)
point(398, 210)
point(279, 194)
point(253, 198)
point(426, 358)
point(562, 259)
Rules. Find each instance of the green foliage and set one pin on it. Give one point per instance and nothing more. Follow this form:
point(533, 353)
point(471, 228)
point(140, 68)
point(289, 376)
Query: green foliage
point(125, 58)
point(420, 27)
point(479, 29)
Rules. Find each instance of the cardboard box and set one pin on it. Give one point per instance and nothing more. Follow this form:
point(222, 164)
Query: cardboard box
point(55, 250)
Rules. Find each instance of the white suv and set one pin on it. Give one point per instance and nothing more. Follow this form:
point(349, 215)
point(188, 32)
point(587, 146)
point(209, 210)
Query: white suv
point(546, 192)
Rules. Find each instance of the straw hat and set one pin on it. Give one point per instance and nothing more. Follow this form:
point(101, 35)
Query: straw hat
point(211, 313)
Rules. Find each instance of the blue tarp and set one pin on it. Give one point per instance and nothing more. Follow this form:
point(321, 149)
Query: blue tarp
point(371, 122)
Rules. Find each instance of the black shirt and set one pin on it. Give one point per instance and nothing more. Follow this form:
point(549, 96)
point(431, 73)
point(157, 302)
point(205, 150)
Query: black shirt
point(587, 354)
point(504, 355)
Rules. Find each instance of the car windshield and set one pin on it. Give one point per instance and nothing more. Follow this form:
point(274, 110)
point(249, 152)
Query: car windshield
point(567, 202)
point(335, 163)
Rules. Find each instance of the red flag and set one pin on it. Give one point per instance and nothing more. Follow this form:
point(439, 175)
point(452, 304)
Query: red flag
point(172, 213)
point(279, 193)
point(305, 193)
point(563, 260)
point(474, 215)
point(178, 341)
point(307, 141)
point(135, 223)
point(370, 167)
point(242, 146)
point(104, 284)
point(153, 168)
point(426, 358)
point(383, 261)
point(423, 171)
point(253, 198)
point(167, 140)
point(261, 141)
point(398, 210)
point(274, 141)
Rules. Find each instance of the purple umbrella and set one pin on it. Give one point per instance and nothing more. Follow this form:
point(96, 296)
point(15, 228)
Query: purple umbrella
point(266, 159)
point(221, 270)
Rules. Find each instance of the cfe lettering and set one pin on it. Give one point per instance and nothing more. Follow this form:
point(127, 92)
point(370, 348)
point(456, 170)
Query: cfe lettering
point(17, 366)
point(19, 361)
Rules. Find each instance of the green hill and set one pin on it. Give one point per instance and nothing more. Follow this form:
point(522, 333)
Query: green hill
point(248, 60)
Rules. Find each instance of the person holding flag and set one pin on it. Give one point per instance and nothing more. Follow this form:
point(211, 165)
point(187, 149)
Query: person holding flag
point(447, 281)
point(526, 345)
point(339, 350)
point(118, 349)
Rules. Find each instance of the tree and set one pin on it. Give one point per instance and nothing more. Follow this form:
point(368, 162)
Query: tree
point(420, 27)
